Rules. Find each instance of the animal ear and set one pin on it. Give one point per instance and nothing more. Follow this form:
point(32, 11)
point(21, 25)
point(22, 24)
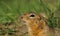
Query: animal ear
point(44, 15)
point(42, 24)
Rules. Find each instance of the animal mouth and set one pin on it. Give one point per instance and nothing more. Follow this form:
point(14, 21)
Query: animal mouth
point(24, 22)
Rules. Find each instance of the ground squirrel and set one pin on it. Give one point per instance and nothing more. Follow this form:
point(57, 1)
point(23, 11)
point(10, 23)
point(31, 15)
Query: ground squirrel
point(37, 25)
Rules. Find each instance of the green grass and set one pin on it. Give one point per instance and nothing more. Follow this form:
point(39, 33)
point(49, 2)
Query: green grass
point(10, 10)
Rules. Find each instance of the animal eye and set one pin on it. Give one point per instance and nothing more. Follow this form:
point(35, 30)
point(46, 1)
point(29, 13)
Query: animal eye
point(32, 15)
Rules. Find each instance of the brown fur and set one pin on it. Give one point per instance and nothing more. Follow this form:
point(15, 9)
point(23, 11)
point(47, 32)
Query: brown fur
point(37, 25)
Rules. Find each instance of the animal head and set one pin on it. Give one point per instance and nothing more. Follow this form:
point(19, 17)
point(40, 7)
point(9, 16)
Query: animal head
point(30, 17)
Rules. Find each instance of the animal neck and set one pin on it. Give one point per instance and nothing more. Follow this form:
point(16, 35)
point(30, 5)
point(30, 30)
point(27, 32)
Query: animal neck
point(35, 29)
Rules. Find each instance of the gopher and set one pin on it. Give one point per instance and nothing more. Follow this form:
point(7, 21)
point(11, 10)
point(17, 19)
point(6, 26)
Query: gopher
point(37, 25)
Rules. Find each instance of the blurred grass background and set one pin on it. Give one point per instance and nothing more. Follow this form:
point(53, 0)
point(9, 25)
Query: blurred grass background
point(10, 10)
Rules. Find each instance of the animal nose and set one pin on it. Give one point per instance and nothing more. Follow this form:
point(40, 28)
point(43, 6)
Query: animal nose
point(21, 17)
